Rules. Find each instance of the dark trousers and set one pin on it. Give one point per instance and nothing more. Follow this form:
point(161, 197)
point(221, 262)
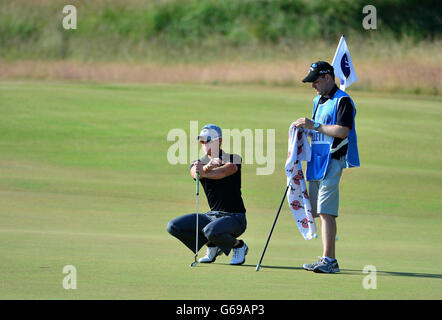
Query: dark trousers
point(220, 228)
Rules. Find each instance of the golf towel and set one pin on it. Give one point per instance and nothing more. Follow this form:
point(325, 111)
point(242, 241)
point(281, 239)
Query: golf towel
point(299, 150)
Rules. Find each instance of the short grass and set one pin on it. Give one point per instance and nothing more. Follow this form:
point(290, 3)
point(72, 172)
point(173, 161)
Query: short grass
point(85, 181)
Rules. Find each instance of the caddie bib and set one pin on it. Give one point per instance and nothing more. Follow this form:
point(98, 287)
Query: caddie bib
point(322, 144)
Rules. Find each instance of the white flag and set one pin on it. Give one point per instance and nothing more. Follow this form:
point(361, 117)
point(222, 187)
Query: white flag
point(343, 66)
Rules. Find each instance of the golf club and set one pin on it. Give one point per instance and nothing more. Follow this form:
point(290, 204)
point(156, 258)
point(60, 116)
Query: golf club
point(193, 264)
point(274, 222)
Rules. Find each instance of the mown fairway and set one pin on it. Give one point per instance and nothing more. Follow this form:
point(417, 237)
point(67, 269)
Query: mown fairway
point(84, 181)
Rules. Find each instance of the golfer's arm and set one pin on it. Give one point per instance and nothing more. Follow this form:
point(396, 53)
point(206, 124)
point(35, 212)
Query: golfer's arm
point(193, 172)
point(221, 172)
point(334, 130)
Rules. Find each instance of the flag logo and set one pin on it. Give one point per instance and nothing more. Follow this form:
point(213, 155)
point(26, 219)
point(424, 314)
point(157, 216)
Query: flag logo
point(345, 65)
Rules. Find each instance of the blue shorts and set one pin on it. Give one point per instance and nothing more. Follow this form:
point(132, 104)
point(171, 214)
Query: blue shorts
point(324, 194)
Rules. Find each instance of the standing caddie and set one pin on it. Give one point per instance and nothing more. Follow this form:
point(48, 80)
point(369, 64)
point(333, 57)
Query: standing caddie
point(334, 147)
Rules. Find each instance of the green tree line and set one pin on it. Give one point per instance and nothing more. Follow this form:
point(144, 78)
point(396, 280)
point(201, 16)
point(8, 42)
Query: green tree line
point(33, 28)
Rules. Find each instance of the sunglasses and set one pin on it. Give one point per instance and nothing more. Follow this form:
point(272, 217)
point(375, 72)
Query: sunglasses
point(207, 141)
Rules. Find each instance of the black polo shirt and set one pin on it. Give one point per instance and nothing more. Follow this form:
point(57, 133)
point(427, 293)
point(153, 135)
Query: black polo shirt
point(224, 194)
point(344, 117)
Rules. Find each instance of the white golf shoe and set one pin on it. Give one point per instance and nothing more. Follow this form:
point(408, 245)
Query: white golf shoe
point(211, 254)
point(239, 255)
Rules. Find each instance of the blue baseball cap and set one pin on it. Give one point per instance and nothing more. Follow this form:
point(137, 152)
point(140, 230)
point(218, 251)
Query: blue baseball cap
point(210, 132)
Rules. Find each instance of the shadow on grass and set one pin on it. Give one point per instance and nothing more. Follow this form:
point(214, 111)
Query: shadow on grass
point(359, 272)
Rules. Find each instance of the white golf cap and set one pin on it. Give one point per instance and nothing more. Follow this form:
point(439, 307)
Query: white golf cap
point(209, 133)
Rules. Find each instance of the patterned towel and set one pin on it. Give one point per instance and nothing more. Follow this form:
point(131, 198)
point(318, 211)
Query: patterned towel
point(299, 150)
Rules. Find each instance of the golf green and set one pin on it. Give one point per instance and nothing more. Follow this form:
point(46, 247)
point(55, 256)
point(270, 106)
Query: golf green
point(85, 181)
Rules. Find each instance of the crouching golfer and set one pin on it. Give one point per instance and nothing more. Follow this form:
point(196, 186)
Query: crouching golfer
point(220, 176)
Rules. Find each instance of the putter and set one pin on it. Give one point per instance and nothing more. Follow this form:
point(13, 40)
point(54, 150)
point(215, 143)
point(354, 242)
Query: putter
point(258, 266)
point(193, 264)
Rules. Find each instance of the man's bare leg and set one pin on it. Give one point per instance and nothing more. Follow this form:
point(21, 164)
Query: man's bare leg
point(328, 235)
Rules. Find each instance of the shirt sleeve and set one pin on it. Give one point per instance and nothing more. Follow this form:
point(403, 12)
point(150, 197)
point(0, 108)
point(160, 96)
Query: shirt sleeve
point(236, 159)
point(344, 116)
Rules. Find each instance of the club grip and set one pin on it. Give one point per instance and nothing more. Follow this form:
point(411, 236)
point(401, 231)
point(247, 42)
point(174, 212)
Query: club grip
point(197, 183)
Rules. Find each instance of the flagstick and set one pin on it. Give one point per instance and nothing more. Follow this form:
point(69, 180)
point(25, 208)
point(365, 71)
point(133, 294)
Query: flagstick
point(258, 266)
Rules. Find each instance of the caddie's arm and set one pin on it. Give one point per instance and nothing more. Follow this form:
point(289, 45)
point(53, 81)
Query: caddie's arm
point(334, 130)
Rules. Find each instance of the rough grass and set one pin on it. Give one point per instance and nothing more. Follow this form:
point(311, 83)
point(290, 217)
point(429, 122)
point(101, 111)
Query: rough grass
point(409, 74)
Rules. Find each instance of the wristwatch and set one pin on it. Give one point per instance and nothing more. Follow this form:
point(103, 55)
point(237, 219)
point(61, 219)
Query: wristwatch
point(316, 126)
